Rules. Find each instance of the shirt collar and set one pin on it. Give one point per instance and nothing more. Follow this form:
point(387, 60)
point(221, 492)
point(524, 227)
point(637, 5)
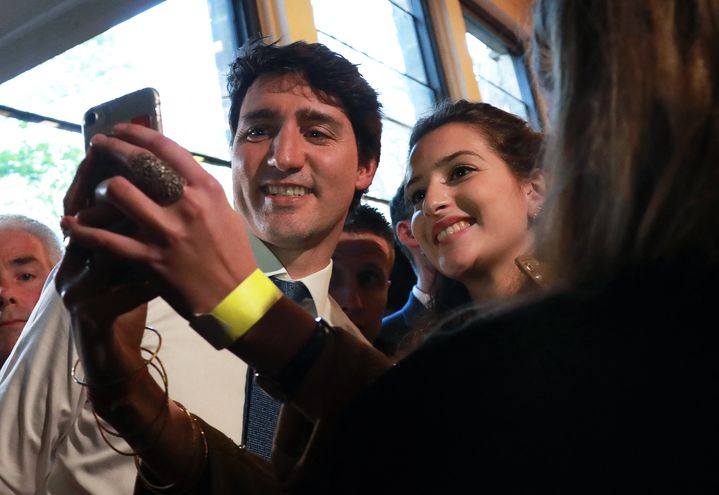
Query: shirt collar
point(317, 283)
point(421, 295)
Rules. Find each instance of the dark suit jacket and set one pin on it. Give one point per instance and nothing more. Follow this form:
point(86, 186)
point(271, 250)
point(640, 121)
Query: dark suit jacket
point(397, 325)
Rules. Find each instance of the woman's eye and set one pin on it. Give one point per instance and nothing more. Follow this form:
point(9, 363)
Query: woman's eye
point(460, 171)
point(417, 197)
point(26, 277)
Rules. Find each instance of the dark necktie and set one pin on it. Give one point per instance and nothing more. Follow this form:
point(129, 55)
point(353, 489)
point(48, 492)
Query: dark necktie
point(261, 410)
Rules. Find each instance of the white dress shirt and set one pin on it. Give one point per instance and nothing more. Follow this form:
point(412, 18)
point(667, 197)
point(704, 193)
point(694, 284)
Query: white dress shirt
point(49, 442)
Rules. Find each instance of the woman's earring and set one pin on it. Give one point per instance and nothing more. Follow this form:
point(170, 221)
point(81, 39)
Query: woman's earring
point(536, 213)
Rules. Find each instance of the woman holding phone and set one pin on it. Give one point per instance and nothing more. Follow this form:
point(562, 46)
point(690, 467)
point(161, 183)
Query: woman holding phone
point(609, 383)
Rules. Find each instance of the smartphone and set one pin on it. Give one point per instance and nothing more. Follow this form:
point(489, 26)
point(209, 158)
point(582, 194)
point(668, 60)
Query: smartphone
point(139, 107)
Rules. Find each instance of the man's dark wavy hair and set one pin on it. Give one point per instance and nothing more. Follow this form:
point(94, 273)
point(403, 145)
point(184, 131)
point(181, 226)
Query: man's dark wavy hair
point(334, 78)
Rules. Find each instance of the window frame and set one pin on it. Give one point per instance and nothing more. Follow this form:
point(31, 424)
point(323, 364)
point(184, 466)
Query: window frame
point(478, 20)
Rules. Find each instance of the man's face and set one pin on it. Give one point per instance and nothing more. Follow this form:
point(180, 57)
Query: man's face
point(295, 164)
point(362, 263)
point(24, 266)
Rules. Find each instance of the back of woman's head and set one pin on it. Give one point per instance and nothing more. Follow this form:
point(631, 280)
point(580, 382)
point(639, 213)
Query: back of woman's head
point(634, 134)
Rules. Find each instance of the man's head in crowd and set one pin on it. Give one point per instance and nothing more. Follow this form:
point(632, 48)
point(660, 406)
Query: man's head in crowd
point(28, 251)
point(307, 130)
point(401, 211)
point(362, 263)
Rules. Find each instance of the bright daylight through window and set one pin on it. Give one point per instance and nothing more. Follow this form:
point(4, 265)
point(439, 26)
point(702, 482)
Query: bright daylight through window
point(181, 59)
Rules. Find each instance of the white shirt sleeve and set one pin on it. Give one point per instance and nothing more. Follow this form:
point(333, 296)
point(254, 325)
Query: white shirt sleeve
point(38, 399)
point(49, 442)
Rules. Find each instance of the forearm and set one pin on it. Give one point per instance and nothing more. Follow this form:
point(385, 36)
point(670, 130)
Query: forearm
point(344, 367)
point(228, 469)
point(166, 441)
point(121, 384)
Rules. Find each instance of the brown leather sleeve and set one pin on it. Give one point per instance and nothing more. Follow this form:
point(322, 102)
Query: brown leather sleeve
point(229, 470)
point(345, 366)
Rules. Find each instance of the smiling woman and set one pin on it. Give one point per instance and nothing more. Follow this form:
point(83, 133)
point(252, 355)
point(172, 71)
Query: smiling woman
point(476, 188)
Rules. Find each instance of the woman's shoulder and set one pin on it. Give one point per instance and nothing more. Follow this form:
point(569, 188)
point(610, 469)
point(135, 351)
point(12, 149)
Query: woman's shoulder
point(653, 295)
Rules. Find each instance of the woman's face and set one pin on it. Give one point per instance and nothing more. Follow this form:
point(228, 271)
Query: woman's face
point(471, 213)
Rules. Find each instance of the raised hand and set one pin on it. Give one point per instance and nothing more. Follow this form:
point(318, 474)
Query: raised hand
point(198, 245)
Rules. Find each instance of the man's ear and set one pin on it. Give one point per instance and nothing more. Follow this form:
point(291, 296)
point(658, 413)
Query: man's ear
point(535, 189)
point(404, 234)
point(365, 174)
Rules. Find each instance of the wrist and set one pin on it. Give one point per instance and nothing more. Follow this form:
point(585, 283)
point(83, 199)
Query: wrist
point(283, 384)
point(238, 311)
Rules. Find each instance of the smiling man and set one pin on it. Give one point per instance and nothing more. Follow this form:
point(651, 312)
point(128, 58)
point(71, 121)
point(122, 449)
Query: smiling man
point(306, 129)
point(307, 132)
point(28, 251)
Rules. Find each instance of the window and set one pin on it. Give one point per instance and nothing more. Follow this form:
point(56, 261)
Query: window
point(500, 71)
point(389, 41)
point(180, 47)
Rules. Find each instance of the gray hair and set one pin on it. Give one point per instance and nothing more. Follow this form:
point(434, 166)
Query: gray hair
point(52, 244)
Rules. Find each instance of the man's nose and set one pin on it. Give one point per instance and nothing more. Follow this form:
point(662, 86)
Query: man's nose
point(347, 297)
point(287, 151)
point(6, 296)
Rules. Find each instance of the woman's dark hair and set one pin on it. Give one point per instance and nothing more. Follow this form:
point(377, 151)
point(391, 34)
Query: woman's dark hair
point(632, 157)
point(508, 135)
point(335, 80)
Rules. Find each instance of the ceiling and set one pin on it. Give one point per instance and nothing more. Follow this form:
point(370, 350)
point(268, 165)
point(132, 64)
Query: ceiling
point(32, 31)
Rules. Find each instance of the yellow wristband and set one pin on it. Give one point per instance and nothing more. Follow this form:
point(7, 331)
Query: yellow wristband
point(244, 306)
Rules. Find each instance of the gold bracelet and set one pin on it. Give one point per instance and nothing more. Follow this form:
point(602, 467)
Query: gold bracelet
point(149, 484)
point(153, 356)
point(104, 430)
point(196, 428)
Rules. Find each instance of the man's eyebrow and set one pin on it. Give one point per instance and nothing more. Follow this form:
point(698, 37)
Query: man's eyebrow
point(23, 260)
point(317, 117)
point(260, 113)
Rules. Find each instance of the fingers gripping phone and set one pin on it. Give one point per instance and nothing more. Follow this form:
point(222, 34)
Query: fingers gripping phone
point(143, 107)
point(139, 107)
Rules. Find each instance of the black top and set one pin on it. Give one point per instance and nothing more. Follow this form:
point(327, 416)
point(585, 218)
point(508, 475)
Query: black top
point(612, 391)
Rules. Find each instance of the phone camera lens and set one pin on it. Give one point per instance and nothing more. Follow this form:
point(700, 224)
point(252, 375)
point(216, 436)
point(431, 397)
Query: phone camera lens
point(91, 117)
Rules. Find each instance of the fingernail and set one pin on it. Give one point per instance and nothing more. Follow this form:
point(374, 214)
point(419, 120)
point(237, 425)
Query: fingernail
point(63, 227)
point(101, 190)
